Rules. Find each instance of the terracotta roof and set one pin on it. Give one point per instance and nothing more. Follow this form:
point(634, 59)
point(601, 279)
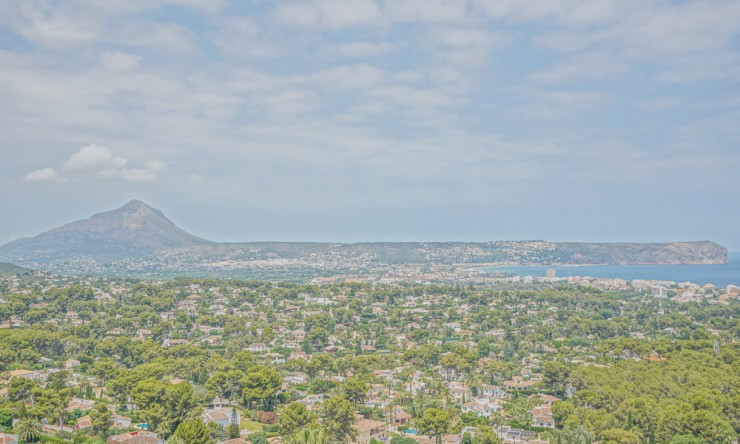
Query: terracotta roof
point(364, 425)
point(7, 438)
point(84, 422)
point(140, 437)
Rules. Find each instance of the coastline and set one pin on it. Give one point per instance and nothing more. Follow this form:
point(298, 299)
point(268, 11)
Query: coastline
point(719, 275)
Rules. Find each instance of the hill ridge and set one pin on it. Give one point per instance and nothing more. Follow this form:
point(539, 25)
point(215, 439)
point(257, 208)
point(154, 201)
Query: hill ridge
point(135, 228)
point(137, 231)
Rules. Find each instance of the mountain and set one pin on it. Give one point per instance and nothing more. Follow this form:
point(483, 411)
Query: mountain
point(138, 239)
point(135, 229)
point(625, 253)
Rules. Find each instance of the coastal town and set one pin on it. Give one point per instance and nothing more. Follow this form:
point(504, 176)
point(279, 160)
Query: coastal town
point(511, 360)
point(369, 222)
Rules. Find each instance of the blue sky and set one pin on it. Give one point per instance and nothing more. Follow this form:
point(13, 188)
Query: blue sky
point(357, 120)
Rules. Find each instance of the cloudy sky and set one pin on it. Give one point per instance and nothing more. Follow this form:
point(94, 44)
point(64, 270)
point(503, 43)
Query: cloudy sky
point(355, 120)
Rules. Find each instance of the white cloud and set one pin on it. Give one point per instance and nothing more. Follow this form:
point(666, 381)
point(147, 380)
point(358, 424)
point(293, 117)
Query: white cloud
point(364, 49)
point(166, 37)
point(660, 103)
point(50, 26)
point(466, 38)
point(41, 175)
point(577, 13)
point(243, 38)
point(565, 41)
point(464, 46)
point(298, 13)
point(97, 162)
point(686, 41)
point(426, 11)
point(209, 6)
point(119, 61)
point(290, 102)
point(330, 13)
point(146, 174)
point(359, 76)
point(591, 65)
point(94, 160)
point(556, 105)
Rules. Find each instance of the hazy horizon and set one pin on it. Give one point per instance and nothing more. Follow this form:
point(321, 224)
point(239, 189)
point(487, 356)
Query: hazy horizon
point(349, 240)
point(365, 120)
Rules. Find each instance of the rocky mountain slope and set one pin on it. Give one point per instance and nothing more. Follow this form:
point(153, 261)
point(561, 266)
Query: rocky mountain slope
point(132, 230)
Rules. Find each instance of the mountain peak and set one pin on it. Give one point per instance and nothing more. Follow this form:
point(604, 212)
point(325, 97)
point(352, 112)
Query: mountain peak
point(135, 228)
point(135, 204)
point(134, 208)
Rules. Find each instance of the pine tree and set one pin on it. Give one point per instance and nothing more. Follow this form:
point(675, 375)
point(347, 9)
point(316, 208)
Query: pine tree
point(102, 419)
point(232, 430)
point(338, 416)
point(194, 431)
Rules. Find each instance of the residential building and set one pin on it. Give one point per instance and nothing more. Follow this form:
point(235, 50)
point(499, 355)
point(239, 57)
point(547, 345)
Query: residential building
point(368, 429)
point(481, 407)
point(70, 363)
point(446, 439)
point(258, 348)
point(28, 374)
point(221, 416)
point(493, 391)
point(137, 437)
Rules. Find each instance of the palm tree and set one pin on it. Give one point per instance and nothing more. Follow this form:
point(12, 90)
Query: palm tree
point(578, 435)
point(438, 388)
point(455, 417)
point(408, 375)
point(496, 419)
point(29, 430)
point(419, 403)
point(309, 436)
point(473, 381)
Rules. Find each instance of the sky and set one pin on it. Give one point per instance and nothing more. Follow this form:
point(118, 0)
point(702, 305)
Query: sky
point(368, 120)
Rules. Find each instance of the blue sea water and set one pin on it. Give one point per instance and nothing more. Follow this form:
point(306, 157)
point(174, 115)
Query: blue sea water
point(718, 275)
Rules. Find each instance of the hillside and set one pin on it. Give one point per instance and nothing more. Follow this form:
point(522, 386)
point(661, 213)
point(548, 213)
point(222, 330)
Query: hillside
point(7, 269)
point(511, 252)
point(643, 253)
point(138, 238)
point(133, 230)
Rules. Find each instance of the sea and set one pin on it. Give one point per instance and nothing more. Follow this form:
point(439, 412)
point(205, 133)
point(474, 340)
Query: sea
point(720, 275)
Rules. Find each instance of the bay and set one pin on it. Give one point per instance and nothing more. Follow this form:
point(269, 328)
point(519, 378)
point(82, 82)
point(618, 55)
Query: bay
point(719, 275)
